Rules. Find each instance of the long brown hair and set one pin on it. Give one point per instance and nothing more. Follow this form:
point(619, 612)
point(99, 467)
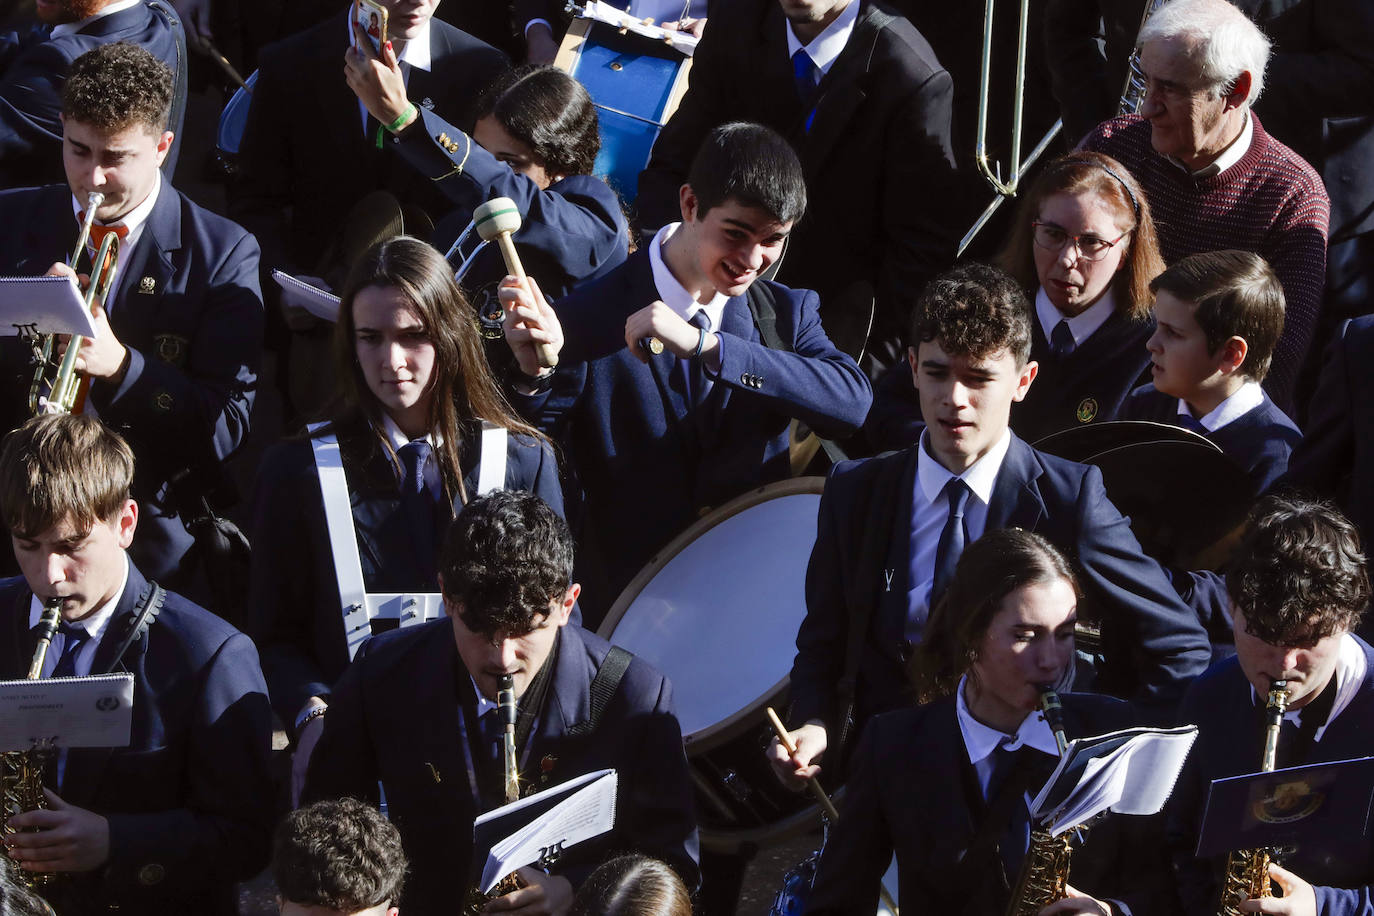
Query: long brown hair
point(989, 569)
point(465, 391)
point(1103, 177)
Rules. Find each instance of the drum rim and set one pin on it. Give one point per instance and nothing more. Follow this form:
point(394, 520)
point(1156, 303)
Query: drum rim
point(708, 737)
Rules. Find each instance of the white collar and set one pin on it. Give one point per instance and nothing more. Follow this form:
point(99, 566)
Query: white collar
point(1081, 326)
point(981, 740)
point(673, 293)
point(399, 439)
point(981, 476)
point(95, 624)
point(416, 51)
point(135, 218)
point(71, 28)
point(1245, 399)
point(1350, 674)
point(1229, 156)
point(826, 47)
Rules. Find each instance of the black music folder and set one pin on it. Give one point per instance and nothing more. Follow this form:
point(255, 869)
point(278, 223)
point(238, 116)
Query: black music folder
point(1286, 807)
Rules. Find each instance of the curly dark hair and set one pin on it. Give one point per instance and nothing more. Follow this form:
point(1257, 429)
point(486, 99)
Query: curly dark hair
point(506, 559)
point(339, 854)
point(1298, 575)
point(548, 111)
point(973, 310)
point(989, 569)
point(116, 86)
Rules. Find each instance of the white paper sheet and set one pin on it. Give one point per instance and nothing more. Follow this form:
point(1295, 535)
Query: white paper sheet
point(43, 305)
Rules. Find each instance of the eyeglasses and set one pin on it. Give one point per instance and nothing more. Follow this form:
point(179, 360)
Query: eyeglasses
point(1090, 247)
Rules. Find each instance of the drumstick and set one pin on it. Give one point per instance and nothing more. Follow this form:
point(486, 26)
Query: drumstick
point(494, 221)
point(814, 785)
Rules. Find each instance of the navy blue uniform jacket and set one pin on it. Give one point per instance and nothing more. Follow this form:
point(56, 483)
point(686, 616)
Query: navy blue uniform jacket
point(305, 157)
point(1087, 386)
point(573, 232)
point(190, 800)
point(293, 593)
point(394, 718)
point(1260, 440)
point(188, 307)
point(1230, 742)
point(914, 792)
point(1153, 642)
point(1336, 456)
point(878, 157)
point(35, 68)
point(628, 433)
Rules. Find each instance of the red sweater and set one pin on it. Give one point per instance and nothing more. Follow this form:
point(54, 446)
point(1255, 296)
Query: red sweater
point(1271, 202)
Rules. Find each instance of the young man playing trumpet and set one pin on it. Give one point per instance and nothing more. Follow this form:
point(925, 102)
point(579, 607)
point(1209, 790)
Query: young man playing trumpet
point(174, 362)
point(1298, 587)
point(166, 825)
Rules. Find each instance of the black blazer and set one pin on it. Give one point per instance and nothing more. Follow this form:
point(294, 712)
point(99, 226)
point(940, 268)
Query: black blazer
point(190, 800)
point(394, 720)
point(305, 159)
point(878, 161)
point(914, 792)
point(1153, 642)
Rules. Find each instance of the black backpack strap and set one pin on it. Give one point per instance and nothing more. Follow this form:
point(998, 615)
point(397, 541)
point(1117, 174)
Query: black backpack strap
point(603, 687)
point(763, 308)
point(139, 621)
point(177, 117)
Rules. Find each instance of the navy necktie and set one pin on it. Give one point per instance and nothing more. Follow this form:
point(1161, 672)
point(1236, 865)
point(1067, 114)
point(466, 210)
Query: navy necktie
point(953, 538)
point(698, 382)
point(1012, 846)
point(807, 77)
point(73, 638)
point(493, 731)
point(417, 504)
point(1061, 340)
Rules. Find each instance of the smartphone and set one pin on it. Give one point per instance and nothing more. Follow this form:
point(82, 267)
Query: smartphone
point(370, 17)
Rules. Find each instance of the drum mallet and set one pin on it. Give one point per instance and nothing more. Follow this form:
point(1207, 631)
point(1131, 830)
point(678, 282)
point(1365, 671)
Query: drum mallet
point(495, 221)
point(813, 784)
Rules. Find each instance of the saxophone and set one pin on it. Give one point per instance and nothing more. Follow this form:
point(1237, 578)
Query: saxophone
point(505, 701)
point(21, 772)
point(1247, 870)
point(1044, 875)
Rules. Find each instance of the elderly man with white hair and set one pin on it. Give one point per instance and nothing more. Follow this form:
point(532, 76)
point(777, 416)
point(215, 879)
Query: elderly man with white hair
point(1214, 177)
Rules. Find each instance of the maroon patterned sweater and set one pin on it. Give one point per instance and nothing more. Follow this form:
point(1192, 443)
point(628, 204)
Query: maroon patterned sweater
point(1271, 202)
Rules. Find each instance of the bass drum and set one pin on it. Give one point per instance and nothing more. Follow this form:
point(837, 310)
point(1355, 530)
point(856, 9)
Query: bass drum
point(717, 612)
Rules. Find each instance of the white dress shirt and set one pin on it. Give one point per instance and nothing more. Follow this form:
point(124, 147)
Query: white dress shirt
point(932, 508)
point(134, 221)
point(1245, 399)
point(94, 624)
point(1081, 326)
point(675, 295)
point(416, 53)
point(980, 741)
point(826, 47)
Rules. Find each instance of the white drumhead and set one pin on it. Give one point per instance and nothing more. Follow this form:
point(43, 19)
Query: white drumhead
point(717, 611)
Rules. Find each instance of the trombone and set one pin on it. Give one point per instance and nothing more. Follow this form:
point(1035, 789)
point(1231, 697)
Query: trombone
point(64, 387)
point(1018, 168)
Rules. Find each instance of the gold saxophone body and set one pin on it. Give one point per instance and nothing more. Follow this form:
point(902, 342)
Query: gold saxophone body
point(505, 701)
point(1247, 870)
point(21, 772)
point(1044, 875)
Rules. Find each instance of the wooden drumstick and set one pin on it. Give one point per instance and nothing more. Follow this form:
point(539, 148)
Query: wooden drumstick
point(495, 221)
point(813, 784)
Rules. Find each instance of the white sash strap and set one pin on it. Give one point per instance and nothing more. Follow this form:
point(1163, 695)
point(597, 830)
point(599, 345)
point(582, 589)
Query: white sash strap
point(359, 607)
point(491, 473)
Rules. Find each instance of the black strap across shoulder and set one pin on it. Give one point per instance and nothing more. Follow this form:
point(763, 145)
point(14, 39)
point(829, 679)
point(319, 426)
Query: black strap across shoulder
point(763, 308)
point(149, 606)
point(603, 687)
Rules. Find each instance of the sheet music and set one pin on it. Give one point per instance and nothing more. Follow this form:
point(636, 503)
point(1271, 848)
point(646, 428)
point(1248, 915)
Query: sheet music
point(43, 305)
point(309, 293)
point(585, 813)
point(684, 42)
point(68, 712)
point(1128, 772)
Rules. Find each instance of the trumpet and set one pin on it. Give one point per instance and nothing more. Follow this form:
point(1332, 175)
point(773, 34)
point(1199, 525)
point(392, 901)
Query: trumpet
point(63, 386)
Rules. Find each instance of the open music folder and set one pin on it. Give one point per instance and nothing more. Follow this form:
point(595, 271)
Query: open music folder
point(541, 826)
point(66, 712)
